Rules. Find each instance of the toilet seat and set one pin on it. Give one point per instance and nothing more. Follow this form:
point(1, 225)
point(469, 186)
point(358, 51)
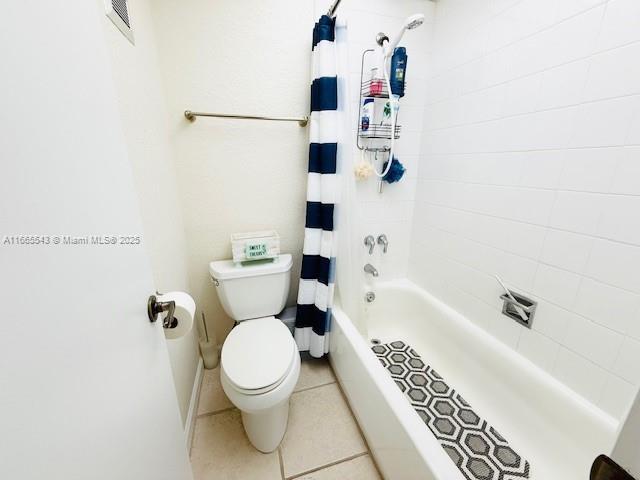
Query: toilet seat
point(258, 355)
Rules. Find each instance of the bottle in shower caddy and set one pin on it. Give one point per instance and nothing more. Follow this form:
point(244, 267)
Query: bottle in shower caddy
point(368, 105)
point(386, 113)
point(398, 71)
point(375, 83)
point(376, 80)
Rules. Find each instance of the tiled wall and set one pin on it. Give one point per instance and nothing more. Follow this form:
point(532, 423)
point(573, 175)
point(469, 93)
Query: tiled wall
point(391, 211)
point(530, 169)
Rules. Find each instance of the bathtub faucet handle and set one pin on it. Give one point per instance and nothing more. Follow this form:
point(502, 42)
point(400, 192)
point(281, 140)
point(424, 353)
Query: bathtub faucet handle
point(370, 242)
point(384, 241)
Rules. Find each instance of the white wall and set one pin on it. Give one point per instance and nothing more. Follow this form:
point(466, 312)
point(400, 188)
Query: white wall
point(236, 175)
point(530, 170)
point(144, 117)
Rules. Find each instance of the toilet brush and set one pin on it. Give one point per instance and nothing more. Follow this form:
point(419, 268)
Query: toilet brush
point(208, 348)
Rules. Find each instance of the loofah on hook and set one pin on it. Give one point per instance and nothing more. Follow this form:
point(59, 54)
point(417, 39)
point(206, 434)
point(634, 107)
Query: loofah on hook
point(396, 171)
point(363, 170)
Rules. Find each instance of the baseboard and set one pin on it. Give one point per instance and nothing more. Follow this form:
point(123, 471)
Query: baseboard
point(193, 405)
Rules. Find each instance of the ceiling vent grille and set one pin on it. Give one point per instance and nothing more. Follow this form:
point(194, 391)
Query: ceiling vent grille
point(118, 12)
point(120, 6)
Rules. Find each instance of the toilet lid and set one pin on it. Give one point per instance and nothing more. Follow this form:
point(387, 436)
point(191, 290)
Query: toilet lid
point(258, 353)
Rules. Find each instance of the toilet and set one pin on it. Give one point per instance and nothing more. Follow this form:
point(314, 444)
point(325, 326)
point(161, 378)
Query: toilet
point(260, 362)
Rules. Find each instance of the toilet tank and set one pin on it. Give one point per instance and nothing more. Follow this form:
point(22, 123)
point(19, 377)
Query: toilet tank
point(253, 290)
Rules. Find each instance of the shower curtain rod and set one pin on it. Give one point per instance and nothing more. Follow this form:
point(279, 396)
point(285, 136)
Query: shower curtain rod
point(333, 8)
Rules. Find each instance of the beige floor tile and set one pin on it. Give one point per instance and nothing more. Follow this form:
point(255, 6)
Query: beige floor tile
point(212, 397)
point(314, 372)
point(221, 451)
point(360, 468)
point(321, 430)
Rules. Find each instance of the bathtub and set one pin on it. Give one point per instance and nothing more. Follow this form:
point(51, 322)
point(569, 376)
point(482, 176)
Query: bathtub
point(558, 431)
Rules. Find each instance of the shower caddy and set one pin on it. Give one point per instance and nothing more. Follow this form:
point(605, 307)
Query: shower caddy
point(375, 132)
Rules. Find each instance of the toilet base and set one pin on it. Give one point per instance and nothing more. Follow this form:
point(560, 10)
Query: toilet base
point(266, 428)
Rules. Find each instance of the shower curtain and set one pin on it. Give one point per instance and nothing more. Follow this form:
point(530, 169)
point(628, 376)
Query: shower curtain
point(316, 289)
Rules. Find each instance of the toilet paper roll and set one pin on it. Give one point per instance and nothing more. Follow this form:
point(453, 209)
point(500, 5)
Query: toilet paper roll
point(184, 313)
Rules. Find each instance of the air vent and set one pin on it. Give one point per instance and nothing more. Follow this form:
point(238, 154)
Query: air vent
point(120, 6)
point(118, 12)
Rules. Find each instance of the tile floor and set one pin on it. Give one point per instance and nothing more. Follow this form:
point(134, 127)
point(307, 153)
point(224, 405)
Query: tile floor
point(323, 441)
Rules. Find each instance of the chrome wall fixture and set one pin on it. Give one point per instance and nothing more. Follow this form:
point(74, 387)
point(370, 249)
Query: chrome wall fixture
point(519, 308)
point(333, 8)
point(370, 243)
point(191, 116)
point(516, 306)
point(154, 308)
point(371, 270)
point(384, 241)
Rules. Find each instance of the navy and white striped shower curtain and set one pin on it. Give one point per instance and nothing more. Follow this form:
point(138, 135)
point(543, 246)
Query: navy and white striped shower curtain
point(315, 295)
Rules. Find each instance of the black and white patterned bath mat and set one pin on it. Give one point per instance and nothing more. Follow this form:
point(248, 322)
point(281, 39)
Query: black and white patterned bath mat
point(478, 450)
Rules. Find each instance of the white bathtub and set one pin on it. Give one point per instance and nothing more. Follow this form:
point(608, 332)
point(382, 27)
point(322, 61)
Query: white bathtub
point(556, 430)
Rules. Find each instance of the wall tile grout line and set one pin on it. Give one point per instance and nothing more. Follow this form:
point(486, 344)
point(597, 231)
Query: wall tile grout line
point(527, 187)
point(533, 34)
point(527, 150)
point(532, 112)
point(530, 293)
point(519, 77)
point(562, 345)
point(539, 225)
point(541, 262)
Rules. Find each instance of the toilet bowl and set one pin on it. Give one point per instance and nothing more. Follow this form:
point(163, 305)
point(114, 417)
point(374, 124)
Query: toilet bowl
point(260, 366)
point(260, 362)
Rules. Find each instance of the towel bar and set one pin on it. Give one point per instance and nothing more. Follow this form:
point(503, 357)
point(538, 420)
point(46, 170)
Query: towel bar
point(191, 116)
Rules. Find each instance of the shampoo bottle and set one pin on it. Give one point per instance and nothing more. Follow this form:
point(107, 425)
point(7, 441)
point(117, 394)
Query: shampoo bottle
point(398, 71)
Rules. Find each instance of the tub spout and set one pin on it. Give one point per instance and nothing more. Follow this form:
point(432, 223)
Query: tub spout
point(368, 268)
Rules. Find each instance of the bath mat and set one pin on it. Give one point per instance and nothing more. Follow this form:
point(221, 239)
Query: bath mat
point(477, 449)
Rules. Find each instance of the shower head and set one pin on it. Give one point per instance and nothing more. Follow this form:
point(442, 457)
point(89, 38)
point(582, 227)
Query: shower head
point(414, 21)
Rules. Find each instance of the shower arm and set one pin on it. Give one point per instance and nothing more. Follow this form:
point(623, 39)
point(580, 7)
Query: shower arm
point(333, 8)
point(384, 42)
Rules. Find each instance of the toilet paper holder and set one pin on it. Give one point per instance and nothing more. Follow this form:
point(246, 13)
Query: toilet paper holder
point(154, 308)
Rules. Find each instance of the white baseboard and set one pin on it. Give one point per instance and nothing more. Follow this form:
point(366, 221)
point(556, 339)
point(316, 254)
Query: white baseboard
point(193, 405)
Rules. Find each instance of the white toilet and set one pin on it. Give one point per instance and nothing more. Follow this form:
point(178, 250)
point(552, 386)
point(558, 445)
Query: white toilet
point(260, 361)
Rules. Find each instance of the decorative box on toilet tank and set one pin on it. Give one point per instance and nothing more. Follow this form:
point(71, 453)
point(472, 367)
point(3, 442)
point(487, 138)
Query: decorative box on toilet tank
point(247, 247)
